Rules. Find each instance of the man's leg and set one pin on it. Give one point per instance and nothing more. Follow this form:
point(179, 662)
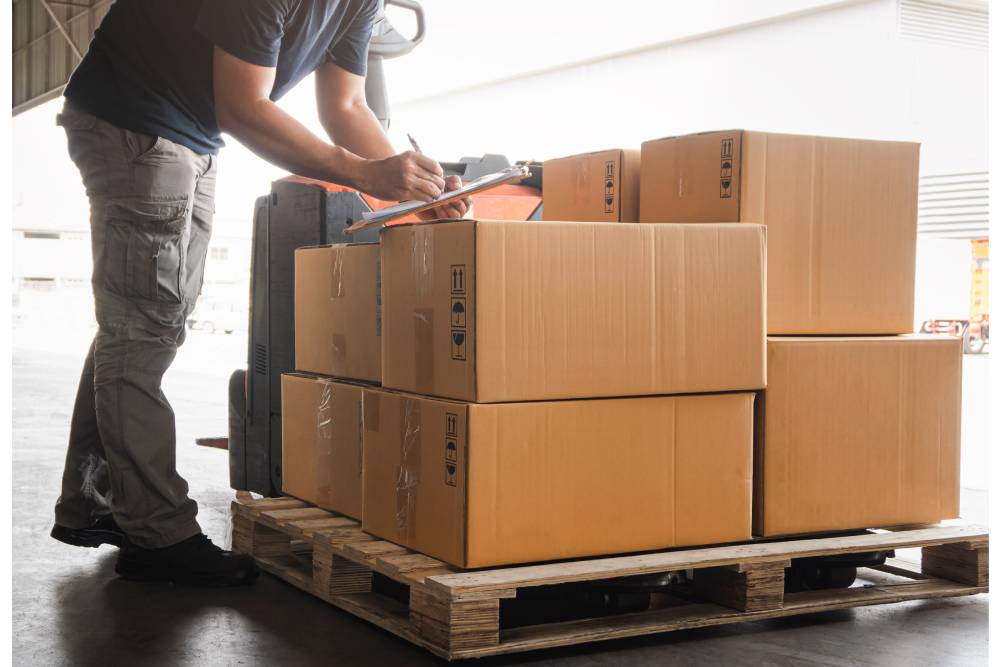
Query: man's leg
point(84, 506)
point(151, 212)
point(141, 191)
point(84, 497)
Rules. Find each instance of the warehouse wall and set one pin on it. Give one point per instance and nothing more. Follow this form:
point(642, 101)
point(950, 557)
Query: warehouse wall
point(845, 71)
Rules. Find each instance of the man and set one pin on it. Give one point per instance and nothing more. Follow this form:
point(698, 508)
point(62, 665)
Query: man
point(143, 117)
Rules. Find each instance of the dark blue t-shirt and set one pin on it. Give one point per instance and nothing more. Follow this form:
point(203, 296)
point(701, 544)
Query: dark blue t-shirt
point(149, 66)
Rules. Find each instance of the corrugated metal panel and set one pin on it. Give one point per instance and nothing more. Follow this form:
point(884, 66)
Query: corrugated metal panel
point(43, 58)
point(955, 23)
point(954, 206)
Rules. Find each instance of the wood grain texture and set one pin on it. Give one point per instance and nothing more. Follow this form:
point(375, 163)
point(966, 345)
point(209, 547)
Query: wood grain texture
point(667, 561)
point(456, 614)
point(960, 562)
point(751, 588)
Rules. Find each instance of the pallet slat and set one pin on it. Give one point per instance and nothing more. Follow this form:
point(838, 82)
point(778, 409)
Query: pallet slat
point(666, 561)
point(705, 615)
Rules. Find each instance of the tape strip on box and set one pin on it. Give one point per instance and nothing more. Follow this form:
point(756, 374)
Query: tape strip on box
point(324, 443)
point(324, 420)
point(422, 260)
point(409, 467)
point(337, 274)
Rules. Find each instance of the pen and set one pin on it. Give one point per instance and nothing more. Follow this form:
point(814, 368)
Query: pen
point(413, 142)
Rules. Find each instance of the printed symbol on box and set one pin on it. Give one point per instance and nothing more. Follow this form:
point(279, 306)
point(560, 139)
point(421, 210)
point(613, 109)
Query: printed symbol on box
point(458, 344)
point(458, 278)
point(727, 169)
point(727, 148)
point(451, 449)
point(609, 186)
point(458, 312)
point(725, 189)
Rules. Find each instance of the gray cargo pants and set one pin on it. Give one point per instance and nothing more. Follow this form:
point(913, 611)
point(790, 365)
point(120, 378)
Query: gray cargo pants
point(151, 206)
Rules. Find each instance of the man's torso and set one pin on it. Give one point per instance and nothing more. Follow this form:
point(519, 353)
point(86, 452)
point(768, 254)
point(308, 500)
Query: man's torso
point(149, 67)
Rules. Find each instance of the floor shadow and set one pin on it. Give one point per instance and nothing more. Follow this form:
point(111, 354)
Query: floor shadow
point(105, 620)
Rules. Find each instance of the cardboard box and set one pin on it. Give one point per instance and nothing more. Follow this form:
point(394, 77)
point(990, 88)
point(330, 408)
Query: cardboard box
point(858, 433)
point(841, 218)
point(592, 187)
point(321, 439)
point(338, 313)
point(493, 311)
point(479, 485)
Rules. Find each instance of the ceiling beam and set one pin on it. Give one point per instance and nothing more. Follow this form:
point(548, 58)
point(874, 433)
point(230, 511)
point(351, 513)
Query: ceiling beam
point(62, 29)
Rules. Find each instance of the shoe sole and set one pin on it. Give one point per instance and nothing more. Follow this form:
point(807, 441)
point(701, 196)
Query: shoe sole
point(138, 571)
point(86, 537)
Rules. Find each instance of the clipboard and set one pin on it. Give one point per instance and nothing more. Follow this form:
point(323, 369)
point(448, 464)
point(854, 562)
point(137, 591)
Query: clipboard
point(487, 182)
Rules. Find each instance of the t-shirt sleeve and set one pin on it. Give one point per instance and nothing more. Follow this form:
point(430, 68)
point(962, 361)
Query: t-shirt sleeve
point(350, 50)
point(251, 30)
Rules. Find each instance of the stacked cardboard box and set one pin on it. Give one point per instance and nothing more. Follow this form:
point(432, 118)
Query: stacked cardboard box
point(858, 427)
point(337, 351)
point(492, 393)
point(593, 187)
point(858, 432)
point(536, 386)
point(531, 373)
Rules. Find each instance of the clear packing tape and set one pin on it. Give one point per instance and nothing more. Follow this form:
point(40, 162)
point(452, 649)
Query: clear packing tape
point(422, 272)
point(324, 420)
point(324, 442)
point(337, 274)
point(422, 260)
point(339, 340)
point(409, 466)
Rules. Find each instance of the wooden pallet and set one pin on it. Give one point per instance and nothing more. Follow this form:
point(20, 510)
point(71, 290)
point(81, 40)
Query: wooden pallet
point(456, 613)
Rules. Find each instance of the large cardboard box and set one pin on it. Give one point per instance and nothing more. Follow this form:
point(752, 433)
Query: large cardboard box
point(841, 218)
point(858, 433)
point(493, 311)
point(478, 485)
point(321, 439)
point(337, 311)
point(592, 187)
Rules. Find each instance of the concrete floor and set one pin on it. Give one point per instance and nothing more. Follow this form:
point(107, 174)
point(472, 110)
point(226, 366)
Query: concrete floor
point(69, 607)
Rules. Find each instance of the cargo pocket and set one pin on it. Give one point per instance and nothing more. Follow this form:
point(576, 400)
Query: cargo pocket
point(145, 247)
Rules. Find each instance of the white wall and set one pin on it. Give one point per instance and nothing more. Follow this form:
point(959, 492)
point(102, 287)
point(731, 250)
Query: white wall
point(944, 279)
point(839, 72)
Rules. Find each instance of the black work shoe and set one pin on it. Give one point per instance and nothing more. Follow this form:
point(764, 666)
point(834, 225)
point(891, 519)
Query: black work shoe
point(104, 531)
point(195, 562)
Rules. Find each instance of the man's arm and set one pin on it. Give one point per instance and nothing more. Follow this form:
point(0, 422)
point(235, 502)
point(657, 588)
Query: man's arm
point(243, 109)
point(344, 113)
point(350, 123)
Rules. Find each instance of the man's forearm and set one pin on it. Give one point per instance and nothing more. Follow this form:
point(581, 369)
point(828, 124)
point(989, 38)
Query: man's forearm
point(356, 128)
point(280, 139)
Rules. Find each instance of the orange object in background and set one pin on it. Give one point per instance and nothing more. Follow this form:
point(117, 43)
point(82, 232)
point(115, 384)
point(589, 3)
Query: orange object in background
point(979, 299)
point(506, 202)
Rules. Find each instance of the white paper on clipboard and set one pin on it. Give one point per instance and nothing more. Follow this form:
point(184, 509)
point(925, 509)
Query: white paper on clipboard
point(389, 213)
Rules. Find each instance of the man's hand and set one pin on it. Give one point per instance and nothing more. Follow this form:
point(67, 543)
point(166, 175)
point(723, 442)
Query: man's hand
point(403, 177)
point(453, 209)
point(340, 98)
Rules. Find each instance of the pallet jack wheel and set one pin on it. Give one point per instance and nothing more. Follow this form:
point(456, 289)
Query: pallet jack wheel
point(819, 577)
point(825, 572)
